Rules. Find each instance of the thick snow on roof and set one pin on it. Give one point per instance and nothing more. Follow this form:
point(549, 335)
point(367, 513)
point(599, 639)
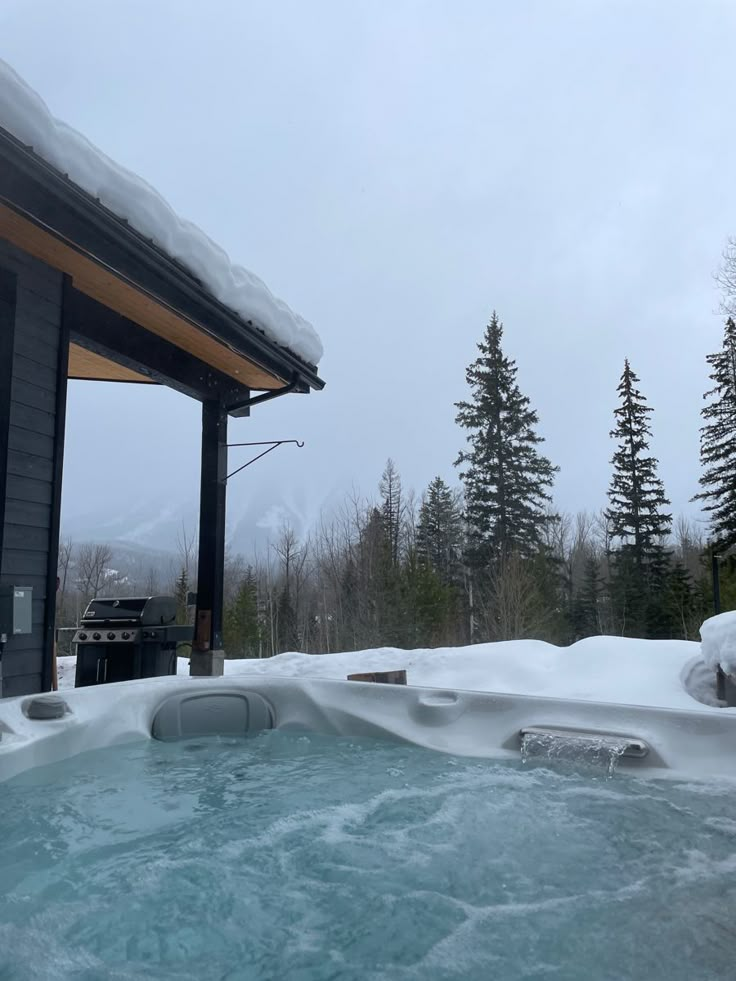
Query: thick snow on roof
point(24, 114)
point(661, 673)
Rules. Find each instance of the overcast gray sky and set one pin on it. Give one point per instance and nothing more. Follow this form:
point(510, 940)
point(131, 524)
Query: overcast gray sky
point(396, 170)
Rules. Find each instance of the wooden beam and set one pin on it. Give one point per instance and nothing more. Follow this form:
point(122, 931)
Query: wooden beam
point(111, 337)
point(87, 365)
point(107, 287)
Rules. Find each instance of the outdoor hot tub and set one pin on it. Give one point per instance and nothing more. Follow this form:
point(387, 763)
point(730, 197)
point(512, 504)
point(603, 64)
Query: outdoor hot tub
point(182, 828)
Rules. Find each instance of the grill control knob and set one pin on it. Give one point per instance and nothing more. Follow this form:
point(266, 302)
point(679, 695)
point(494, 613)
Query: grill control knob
point(111, 636)
point(126, 635)
point(95, 636)
point(83, 636)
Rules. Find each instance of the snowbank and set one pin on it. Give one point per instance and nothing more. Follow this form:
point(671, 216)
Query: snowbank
point(24, 114)
point(667, 674)
point(719, 642)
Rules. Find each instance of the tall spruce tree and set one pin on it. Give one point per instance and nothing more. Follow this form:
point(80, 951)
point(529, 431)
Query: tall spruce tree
point(680, 602)
point(288, 625)
point(440, 531)
point(718, 442)
point(380, 583)
point(181, 592)
point(637, 518)
point(428, 605)
point(586, 615)
point(242, 628)
point(636, 494)
point(507, 480)
point(392, 508)
point(435, 566)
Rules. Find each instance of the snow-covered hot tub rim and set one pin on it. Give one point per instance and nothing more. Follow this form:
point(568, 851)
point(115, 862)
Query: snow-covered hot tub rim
point(694, 744)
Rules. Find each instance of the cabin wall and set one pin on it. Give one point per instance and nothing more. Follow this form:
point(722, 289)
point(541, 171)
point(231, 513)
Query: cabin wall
point(32, 408)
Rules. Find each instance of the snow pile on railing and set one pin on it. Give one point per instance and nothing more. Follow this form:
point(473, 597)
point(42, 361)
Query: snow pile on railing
point(718, 637)
point(24, 114)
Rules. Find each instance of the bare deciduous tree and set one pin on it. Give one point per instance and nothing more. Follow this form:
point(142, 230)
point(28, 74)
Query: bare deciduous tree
point(151, 584)
point(94, 572)
point(64, 617)
point(512, 609)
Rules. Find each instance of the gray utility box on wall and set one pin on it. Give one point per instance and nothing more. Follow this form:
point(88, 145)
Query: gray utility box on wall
point(16, 610)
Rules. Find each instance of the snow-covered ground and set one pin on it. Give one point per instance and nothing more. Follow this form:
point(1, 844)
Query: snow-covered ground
point(668, 674)
point(24, 114)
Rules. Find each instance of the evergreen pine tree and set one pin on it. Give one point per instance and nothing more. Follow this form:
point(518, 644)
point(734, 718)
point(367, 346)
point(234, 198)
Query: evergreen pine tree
point(636, 493)
point(586, 609)
point(181, 592)
point(659, 620)
point(718, 442)
point(440, 532)
point(637, 516)
point(380, 586)
point(392, 508)
point(288, 629)
point(429, 605)
point(680, 604)
point(241, 627)
point(507, 481)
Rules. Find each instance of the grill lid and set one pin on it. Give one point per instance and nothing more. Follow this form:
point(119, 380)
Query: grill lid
point(143, 611)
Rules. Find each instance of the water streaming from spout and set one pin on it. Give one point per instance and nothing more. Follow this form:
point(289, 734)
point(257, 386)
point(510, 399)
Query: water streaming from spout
point(599, 750)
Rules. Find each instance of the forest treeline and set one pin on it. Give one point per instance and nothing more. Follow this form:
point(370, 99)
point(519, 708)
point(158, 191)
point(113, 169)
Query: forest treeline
point(490, 559)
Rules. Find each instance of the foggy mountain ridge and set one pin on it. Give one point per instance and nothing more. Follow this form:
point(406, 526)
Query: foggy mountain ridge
point(156, 527)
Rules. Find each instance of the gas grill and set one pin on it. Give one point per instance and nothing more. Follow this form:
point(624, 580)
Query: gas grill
point(122, 639)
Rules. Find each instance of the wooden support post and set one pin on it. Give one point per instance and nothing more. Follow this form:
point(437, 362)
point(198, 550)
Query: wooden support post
point(207, 653)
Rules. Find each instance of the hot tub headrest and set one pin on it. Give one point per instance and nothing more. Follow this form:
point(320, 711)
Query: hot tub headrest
point(211, 713)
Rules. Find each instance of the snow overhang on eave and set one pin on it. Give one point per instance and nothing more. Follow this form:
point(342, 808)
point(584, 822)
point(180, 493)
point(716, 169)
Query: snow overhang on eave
point(47, 215)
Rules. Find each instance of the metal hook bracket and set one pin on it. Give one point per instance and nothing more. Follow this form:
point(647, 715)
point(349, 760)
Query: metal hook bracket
point(272, 444)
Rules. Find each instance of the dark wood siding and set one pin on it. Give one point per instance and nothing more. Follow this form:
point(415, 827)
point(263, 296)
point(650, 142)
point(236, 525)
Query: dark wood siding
point(27, 545)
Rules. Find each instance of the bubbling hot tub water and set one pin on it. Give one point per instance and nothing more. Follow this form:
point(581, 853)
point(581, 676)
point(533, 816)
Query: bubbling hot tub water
point(315, 857)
